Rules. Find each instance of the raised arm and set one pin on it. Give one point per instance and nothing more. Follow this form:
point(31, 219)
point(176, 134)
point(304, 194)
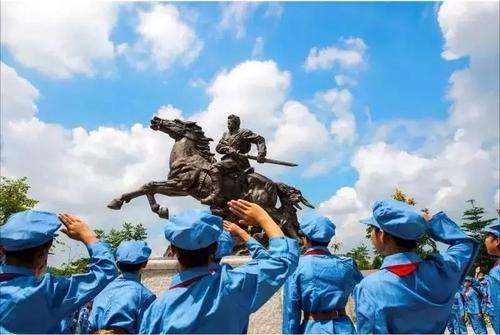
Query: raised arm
point(462, 248)
point(256, 139)
point(268, 272)
point(70, 293)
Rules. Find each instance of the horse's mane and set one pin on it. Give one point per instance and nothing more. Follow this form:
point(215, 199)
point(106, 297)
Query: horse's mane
point(194, 132)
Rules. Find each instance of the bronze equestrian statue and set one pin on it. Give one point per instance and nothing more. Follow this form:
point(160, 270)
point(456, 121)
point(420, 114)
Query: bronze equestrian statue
point(195, 172)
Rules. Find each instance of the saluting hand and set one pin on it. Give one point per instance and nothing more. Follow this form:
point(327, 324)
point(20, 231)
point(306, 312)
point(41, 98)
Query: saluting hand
point(77, 229)
point(250, 213)
point(236, 230)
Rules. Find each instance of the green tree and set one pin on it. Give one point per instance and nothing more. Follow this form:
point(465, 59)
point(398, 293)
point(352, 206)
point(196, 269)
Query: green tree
point(129, 231)
point(360, 256)
point(377, 262)
point(14, 197)
point(473, 222)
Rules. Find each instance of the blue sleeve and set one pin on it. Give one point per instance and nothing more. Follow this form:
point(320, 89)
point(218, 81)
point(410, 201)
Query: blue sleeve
point(256, 249)
point(291, 306)
point(270, 272)
point(462, 248)
point(357, 275)
point(369, 316)
point(70, 293)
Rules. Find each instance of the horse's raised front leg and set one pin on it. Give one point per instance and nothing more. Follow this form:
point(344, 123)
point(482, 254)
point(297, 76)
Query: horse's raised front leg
point(169, 188)
point(117, 203)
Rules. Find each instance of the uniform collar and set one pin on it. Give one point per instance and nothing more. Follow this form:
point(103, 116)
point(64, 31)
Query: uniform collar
point(318, 248)
point(401, 258)
point(130, 276)
point(190, 274)
point(16, 269)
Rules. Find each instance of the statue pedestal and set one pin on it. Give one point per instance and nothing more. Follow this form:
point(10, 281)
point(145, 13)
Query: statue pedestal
point(267, 320)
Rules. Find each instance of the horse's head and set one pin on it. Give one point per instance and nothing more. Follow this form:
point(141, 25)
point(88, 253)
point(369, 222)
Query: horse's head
point(174, 128)
point(178, 129)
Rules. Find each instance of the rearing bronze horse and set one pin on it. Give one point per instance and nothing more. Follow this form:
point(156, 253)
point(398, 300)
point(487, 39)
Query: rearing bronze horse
point(190, 161)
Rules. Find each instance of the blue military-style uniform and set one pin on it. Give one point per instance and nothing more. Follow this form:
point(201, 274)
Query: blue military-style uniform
point(407, 295)
point(321, 285)
point(472, 305)
point(207, 300)
point(38, 305)
point(225, 245)
point(122, 303)
point(456, 323)
point(493, 279)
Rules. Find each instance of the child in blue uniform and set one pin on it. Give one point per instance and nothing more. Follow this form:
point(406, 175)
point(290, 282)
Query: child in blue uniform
point(34, 302)
point(202, 299)
point(456, 323)
point(472, 305)
point(408, 294)
point(492, 243)
point(321, 285)
point(120, 306)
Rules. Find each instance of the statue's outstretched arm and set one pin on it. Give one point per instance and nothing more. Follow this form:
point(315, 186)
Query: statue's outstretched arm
point(256, 139)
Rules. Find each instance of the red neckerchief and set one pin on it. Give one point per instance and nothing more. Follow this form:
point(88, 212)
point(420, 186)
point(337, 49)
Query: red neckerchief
point(316, 252)
point(402, 270)
point(9, 276)
point(188, 282)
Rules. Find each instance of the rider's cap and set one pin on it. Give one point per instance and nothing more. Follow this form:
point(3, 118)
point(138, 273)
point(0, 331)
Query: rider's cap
point(28, 229)
point(133, 252)
point(193, 229)
point(317, 227)
point(397, 218)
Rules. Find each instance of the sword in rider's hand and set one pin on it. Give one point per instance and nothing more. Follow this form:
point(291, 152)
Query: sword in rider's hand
point(269, 160)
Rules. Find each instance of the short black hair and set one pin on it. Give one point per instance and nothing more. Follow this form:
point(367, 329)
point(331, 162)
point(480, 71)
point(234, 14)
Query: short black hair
point(400, 242)
point(26, 256)
point(319, 244)
point(198, 257)
point(130, 267)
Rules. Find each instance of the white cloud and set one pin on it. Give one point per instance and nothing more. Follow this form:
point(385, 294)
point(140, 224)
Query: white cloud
point(234, 16)
point(343, 80)
point(458, 167)
point(164, 40)
point(254, 90)
point(18, 97)
point(258, 47)
point(79, 170)
point(59, 38)
point(298, 132)
point(340, 103)
point(348, 54)
point(274, 9)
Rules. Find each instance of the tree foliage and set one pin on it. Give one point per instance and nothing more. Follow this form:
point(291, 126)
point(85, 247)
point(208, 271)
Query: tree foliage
point(129, 231)
point(473, 222)
point(361, 256)
point(14, 197)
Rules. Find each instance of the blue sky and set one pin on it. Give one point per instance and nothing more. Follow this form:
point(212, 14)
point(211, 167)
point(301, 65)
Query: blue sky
point(403, 77)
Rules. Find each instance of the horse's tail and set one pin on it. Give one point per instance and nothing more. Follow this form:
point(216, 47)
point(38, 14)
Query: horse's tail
point(290, 196)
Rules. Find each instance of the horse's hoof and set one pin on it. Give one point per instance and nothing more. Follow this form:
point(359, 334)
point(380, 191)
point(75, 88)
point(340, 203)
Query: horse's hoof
point(163, 212)
point(115, 204)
